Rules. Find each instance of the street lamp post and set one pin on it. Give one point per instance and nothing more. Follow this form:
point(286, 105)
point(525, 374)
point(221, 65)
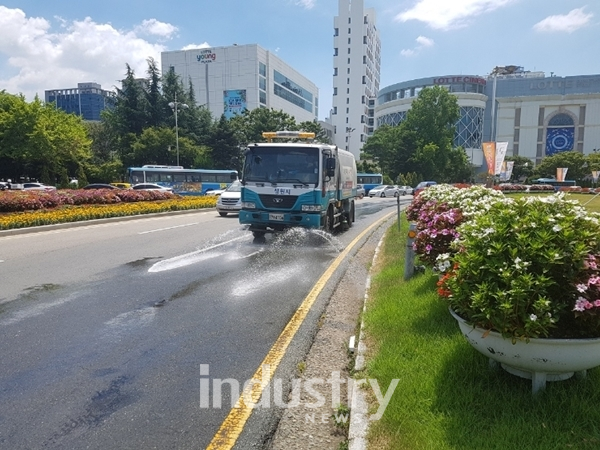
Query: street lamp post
point(175, 106)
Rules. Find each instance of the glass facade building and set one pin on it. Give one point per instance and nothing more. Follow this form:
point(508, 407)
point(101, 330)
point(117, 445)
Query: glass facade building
point(87, 100)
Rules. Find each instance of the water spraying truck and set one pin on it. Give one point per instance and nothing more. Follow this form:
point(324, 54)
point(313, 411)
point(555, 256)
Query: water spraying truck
point(297, 184)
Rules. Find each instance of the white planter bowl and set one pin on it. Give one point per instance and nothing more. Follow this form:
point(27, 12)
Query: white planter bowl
point(540, 359)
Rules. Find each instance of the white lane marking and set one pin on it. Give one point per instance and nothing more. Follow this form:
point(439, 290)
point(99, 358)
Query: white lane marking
point(169, 228)
point(68, 229)
point(189, 258)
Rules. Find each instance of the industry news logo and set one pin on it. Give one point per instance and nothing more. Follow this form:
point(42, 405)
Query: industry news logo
point(267, 392)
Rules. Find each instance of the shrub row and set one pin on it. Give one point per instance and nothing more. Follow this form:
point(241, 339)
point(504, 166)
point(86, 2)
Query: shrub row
point(13, 201)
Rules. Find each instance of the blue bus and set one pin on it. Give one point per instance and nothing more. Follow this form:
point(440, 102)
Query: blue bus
point(555, 183)
point(369, 180)
point(182, 181)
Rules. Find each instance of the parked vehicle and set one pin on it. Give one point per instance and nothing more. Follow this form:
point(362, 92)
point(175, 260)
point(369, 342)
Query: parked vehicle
point(311, 185)
point(230, 201)
point(121, 185)
point(360, 191)
point(423, 185)
point(214, 192)
point(405, 190)
point(31, 186)
point(151, 187)
point(384, 190)
point(99, 186)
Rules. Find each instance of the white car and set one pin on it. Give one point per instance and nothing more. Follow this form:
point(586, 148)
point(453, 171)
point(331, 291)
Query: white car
point(30, 186)
point(360, 191)
point(151, 187)
point(230, 201)
point(405, 190)
point(384, 190)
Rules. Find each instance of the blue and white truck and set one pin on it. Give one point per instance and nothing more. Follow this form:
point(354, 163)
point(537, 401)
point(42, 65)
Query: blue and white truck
point(297, 184)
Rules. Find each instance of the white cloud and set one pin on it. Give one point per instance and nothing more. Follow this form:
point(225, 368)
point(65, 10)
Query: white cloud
point(194, 46)
point(40, 59)
point(422, 42)
point(154, 27)
point(570, 22)
point(447, 14)
point(308, 4)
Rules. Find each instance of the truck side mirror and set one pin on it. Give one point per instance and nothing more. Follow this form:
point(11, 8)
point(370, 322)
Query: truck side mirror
point(330, 167)
point(233, 176)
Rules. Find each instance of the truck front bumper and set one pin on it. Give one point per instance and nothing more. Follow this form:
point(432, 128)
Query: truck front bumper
point(279, 221)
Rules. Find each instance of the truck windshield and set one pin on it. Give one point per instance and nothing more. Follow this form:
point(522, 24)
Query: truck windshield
point(282, 165)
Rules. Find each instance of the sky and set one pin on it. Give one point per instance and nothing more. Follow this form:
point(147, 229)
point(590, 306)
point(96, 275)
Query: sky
point(57, 44)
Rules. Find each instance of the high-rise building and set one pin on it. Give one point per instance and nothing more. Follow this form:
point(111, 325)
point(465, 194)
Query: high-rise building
point(228, 80)
point(356, 63)
point(87, 100)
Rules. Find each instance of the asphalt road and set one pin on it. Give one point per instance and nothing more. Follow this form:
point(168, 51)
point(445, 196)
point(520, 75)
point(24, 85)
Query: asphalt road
point(104, 328)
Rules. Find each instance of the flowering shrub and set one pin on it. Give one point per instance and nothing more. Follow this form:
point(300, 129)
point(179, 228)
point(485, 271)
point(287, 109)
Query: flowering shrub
point(12, 201)
point(508, 187)
point(541, 187)
point(527, 268)
point(438, 211)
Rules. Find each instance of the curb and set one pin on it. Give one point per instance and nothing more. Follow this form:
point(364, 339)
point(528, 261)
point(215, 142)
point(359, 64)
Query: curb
point(359, 408)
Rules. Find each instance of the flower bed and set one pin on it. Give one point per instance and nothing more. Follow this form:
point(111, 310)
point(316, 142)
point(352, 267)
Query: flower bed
point(77, 212)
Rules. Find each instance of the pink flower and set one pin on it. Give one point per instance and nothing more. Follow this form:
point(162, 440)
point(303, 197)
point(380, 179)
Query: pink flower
point(580, 304)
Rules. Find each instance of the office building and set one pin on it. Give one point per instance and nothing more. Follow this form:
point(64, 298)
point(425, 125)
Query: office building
point(87, 100)
point(228, 80)
point(356, 72)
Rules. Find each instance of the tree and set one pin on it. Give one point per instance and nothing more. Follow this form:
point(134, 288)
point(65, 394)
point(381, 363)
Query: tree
point(39, 141)
point(156, 103)
point(522, 167)
point(423, 142)
point(225, 147)
point(250, 125)
point(573, 160)
point(315, 127)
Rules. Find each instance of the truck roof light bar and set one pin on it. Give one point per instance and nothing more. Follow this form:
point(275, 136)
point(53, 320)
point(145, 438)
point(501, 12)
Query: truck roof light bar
point(270, 135)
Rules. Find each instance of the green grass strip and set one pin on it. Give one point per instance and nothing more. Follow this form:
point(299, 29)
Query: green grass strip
point(447, 397)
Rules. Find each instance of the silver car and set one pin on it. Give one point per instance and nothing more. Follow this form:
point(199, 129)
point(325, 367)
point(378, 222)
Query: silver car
point(384, 191)
point(230, 201)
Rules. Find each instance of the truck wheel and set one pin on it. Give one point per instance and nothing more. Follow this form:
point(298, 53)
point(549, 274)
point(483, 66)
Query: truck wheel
point(328, 223)
point(350, 215)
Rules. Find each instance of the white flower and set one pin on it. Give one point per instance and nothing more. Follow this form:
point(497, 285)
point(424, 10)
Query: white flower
point(556, 228)
point(533, 317)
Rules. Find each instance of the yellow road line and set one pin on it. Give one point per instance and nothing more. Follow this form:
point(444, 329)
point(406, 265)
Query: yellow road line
point(232, 426)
